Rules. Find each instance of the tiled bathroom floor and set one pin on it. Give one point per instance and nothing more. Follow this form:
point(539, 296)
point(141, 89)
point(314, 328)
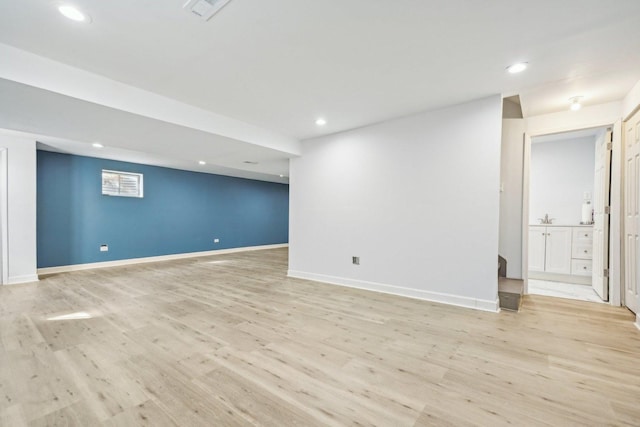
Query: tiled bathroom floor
point(563, 290)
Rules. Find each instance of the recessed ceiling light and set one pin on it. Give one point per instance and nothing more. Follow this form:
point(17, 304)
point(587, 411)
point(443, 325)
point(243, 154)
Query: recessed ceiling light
point(73, 13)
point(517, 68)
point(97, 145)
point(575, 104)
point(202, 162)
point(281, 176)
point(321, 121)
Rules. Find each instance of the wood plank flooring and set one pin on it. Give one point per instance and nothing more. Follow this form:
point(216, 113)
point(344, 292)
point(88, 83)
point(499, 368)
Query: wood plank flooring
point(229, 340)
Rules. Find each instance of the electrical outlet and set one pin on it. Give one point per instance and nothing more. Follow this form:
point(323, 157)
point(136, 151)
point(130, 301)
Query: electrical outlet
point(216, 240)
point(355, 260)
point(104, 248)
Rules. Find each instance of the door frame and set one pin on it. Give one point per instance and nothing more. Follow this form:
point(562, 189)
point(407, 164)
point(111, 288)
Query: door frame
point(4, 199)
point(615, 227)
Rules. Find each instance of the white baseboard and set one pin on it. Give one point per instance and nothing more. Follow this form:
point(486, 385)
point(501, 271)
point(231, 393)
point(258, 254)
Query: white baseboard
point(27, 278)
point(130, 261)
point(460, 301)
point(637, 321)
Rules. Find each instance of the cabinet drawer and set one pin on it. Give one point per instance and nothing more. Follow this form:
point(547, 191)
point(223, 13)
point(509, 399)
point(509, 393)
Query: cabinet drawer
point(581, 267)
point(582, 251)
point(582, 235)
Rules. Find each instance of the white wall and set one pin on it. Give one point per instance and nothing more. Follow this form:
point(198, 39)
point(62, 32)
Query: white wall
point(561, 171)
point(511, 160)
point(21, 206)
point(416, 198)
point(631, 101)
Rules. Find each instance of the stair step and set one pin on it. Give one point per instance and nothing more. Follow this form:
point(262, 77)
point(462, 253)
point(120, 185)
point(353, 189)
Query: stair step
point(510, 293)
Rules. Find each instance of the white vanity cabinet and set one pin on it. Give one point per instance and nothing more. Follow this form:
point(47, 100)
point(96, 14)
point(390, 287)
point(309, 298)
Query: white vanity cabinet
point(560, 250)
point(537, 245)
point(582, 251)
point(550, 249)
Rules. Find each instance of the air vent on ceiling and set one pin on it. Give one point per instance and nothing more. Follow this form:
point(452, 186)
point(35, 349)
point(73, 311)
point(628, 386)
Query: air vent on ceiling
point(205, 9)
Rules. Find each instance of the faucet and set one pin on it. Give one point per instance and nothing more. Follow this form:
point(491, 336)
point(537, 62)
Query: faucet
point(546, 219)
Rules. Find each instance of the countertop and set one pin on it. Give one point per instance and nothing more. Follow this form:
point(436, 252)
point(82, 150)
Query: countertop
point(561, 225)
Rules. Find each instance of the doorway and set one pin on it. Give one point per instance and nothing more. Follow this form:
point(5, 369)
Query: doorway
point(567, 220)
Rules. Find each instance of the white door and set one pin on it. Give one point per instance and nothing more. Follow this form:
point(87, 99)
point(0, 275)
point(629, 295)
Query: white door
point(558, 250)
point(537, 236)
point(601, 185)
point(631, 211)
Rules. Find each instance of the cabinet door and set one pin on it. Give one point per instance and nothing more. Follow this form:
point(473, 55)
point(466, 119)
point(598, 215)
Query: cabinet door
point(537, 237)
point(558, 250)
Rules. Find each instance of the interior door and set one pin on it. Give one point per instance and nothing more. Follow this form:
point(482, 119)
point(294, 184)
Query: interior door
point(601, 191)
point(631, 211)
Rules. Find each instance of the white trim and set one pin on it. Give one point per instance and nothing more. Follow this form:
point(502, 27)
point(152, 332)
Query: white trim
point(27, 278)
point(4, 212)
point(460, 301)
point(637, 321)
point(616, 217)
point(615, 231)
point(130, 261)
point(526, 166)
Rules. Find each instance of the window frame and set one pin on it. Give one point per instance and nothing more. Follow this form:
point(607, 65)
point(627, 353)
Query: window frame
point(138, 176)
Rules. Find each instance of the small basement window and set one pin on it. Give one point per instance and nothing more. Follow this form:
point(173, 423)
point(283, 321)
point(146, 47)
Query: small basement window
point(125, 184)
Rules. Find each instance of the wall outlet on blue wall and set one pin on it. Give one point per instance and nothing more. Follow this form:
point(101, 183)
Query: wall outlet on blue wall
point(216, 240)
point(104, 248)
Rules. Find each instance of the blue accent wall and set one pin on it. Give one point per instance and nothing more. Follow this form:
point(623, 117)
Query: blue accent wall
point(180, 212)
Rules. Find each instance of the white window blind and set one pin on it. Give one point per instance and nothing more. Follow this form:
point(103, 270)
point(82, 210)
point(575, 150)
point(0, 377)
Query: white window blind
point(125, 184)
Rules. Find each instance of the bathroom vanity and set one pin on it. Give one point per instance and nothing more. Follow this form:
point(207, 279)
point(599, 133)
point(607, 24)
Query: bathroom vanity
point(561, 252)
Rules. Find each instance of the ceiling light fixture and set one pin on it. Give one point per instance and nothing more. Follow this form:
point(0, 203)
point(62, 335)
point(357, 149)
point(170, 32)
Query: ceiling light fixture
point(321, 122)
point(202, 162)
point(281, 176)
point(73, 13)
point(575, 104)
point(97, 145)
point(517, 68)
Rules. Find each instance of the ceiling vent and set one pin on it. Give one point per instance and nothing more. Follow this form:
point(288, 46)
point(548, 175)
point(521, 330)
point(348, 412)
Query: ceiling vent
point(205, 9)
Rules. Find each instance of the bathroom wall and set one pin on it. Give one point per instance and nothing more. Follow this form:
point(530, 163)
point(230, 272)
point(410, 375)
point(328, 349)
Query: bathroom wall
point(561, 172)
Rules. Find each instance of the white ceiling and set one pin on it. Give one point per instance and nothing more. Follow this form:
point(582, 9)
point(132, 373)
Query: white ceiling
point(280, 64)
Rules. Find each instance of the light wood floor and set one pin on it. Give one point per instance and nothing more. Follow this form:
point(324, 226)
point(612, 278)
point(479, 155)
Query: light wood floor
point(230, 340)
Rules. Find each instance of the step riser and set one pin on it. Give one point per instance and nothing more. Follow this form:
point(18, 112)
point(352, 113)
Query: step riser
point(509, 301)
point(510, 293)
